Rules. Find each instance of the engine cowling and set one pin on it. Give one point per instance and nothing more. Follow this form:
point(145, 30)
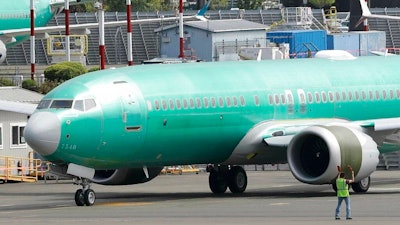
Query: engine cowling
point(125, 176)
point(3, 52)
point(315, 153)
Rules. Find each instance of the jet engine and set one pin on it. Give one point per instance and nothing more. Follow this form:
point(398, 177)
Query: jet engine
point(3, 52)
point(125, 176)
point(315, 153)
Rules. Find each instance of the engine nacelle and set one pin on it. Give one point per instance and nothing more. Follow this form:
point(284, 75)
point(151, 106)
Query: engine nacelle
point(125, 176)
point(3, 52)
point(315, 153)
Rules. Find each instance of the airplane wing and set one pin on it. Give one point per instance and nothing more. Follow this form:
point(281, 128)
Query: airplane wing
point(271, 136)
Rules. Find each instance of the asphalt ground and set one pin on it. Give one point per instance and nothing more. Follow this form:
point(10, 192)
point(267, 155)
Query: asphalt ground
point(272, 197)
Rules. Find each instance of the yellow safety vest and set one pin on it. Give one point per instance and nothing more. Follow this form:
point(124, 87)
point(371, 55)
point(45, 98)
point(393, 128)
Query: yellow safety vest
point(342, 188)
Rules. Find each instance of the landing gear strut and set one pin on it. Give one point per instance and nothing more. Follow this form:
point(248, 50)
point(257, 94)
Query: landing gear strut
point(222, 177)
point(84, 196)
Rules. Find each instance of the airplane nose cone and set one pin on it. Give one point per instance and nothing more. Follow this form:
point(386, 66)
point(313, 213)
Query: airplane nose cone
point(43, 132)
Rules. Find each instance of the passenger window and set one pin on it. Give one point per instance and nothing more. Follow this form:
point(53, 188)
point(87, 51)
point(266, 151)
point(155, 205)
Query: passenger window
point(377, 95)
point(171, 104)
point(78, 105)
point(178, 104)
point(235, 101)
point(276, 97)
point(256, 100)
point(205, 102)
point(271, 99)
point(191, 103)
point(198, 101)
point(164, 104)
point(157, 104)
point(185, 103)
point(310, 97)
point(317, 97)
point(337, 96)
point(242, 101)
point(221, 102)
point(364, 95)
point(283, 99)
point(213, 102)
point(228, 102)
point(391, 94)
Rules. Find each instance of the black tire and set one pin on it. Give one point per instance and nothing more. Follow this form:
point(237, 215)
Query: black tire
point(237, 179)
point(217, 182)
point(362, 186)
point(90, 197)
point(79, 198)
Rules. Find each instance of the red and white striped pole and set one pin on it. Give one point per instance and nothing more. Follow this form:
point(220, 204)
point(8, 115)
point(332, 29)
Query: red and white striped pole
point(102, 47)
point(32, 40)
point(129, 29)
point(366, 27)
point(67, 44)
point(181, 40)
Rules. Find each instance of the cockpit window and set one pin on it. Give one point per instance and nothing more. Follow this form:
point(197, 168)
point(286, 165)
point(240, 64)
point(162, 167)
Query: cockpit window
point(44, 104)
point(79, 105)
point(89, 104)
point(61, 104)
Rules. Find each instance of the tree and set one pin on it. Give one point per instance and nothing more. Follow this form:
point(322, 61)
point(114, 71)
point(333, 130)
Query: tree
point(249, 4)
point(292, 3)
point(219, 4)
point(321, 3)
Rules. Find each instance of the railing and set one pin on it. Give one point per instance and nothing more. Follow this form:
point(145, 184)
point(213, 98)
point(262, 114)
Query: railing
point(21, 169)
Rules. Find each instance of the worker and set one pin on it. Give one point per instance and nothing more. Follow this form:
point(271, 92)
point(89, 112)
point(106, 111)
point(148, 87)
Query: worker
point(342, 185)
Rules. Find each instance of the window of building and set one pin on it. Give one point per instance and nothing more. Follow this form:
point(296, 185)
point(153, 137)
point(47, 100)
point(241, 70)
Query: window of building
point(17, 135)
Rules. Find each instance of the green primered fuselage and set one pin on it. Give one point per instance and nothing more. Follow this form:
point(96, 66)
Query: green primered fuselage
point(198, 112)
point(16, 15)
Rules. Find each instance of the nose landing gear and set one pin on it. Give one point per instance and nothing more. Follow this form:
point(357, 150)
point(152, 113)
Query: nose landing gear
point(84, 196)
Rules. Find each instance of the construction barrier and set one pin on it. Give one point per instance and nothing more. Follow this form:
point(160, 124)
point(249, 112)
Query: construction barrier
point(21, 169)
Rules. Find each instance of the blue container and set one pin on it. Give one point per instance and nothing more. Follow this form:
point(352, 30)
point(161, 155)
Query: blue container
point(303, 43)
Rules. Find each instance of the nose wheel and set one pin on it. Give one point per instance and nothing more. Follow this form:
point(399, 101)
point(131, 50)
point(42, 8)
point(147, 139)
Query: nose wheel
point(84, 196)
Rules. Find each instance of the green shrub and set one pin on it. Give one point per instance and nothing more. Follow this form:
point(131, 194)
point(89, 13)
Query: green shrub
point(6, 82)
point(96, 68)
point(64, 71)
point(30, 85)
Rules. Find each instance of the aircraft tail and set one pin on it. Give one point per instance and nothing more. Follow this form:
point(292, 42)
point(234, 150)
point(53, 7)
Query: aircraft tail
point(366, 13)
point(200, 14)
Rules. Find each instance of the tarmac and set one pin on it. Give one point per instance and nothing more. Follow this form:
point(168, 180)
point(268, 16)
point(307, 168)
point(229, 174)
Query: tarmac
point(272, 197)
